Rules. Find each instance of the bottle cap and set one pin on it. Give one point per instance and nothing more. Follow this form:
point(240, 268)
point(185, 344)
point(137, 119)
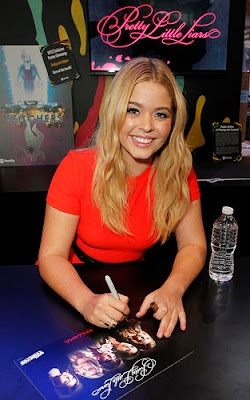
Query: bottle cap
point(227, 210)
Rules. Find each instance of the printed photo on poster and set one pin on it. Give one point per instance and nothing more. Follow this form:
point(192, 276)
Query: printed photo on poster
point(97, 364)
point(36, 125)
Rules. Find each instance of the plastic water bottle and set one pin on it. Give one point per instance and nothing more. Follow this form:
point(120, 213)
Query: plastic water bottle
point(223, 244)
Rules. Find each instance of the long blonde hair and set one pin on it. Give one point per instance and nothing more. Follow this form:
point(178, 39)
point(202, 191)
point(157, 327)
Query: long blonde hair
point(171, 165)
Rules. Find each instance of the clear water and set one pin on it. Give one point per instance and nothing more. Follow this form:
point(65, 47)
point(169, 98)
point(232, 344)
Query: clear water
point(223, 244)
point(221, 266)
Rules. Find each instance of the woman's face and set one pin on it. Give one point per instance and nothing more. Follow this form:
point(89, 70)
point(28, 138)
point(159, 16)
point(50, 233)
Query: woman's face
point(144, 337)
point(88, 369)
point(147, 125)
point(107, 356)
point(68, 379)
point(127, 348)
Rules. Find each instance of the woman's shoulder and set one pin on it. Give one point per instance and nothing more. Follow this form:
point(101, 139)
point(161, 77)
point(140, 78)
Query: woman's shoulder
point(82, 156)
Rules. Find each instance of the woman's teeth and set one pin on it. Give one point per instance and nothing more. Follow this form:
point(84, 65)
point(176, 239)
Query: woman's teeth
point(141, 140)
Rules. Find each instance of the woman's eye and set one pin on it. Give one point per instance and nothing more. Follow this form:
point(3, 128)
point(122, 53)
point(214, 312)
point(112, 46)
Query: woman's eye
point(161, 115)
point(132, 110)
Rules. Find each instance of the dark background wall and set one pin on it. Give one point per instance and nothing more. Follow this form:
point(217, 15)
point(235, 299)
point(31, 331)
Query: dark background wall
point(43, 22)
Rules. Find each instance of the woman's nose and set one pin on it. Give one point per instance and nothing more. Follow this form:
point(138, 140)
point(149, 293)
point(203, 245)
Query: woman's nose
point(146, 123)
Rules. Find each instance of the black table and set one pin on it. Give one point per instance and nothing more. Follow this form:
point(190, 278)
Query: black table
point(215, 348)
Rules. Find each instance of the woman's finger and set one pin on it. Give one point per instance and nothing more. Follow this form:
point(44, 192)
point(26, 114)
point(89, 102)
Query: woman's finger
point(171, 324)
point(144, 307)
point(183, 320)
point(110, 322)
point(161, 312)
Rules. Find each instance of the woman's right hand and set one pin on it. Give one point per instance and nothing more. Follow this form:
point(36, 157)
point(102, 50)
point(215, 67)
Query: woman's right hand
point(104, 310)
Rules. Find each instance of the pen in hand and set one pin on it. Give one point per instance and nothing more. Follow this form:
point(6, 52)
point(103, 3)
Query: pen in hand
point(113, 290)
point(111, 287)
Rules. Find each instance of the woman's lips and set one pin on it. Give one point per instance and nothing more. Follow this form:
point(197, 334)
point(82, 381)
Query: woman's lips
point(142, 141)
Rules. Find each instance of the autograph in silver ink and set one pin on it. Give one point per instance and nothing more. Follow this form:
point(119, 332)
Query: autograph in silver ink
point(139, 370)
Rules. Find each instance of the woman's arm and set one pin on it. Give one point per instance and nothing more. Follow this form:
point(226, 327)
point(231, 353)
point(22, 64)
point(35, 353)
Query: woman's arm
point(58, 234)
point(189, 261)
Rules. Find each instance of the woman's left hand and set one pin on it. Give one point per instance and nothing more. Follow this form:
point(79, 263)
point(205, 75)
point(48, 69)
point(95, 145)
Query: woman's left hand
point(169, 309)
point(189, 260)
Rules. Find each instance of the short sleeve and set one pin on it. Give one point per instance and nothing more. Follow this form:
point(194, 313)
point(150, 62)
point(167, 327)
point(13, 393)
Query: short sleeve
point(193, 186)
point(64, 190)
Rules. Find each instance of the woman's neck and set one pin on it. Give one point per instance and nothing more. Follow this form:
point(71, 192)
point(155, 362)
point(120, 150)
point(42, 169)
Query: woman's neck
point(138, 169)
point(135, 167)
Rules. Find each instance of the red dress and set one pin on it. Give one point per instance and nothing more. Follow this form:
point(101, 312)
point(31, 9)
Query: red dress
point(70, 192)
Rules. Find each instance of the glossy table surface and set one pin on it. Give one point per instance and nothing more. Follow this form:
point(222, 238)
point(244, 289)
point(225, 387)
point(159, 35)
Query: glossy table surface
point(210, 361)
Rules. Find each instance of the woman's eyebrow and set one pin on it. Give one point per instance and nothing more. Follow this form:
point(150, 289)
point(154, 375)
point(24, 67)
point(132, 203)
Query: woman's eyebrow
point(135, 103)
point(162, 108)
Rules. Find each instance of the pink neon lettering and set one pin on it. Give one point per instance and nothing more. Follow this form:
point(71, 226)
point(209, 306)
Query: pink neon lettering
point(110, 24)
point(213, 33)
point(127, 25)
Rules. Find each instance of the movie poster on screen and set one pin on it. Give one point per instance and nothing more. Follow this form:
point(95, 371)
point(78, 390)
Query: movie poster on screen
point(36, 125)
point(99, 364)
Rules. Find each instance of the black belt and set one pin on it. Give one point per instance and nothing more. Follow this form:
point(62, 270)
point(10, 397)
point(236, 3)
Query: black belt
point(83, 256)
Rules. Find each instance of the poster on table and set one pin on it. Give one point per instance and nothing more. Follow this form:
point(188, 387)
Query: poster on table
point(36, 125)
point(99, 364)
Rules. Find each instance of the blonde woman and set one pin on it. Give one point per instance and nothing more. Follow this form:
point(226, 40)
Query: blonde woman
point(132, 189)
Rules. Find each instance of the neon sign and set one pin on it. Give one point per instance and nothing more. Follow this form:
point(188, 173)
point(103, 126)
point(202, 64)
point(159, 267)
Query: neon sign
point(192, 36)
point(128, 25)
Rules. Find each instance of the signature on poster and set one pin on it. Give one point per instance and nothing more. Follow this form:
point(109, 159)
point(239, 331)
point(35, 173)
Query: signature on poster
point(93, 363)
point(139, 371)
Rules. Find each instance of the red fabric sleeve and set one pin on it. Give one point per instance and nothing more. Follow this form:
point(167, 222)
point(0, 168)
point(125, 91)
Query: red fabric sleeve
point(193, 186)
point(64, 189)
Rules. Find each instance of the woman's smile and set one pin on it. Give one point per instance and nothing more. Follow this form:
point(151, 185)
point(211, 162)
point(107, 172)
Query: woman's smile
point(142, 140)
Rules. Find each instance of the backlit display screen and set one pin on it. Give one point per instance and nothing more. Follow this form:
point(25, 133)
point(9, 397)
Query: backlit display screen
point(189, 35)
